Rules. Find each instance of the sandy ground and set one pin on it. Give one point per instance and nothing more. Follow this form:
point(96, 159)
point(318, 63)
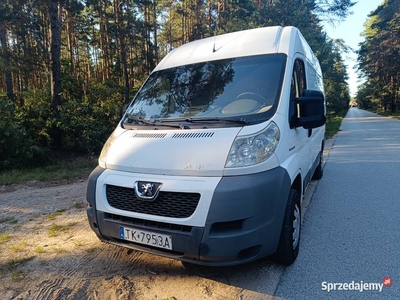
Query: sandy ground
point(47, 251)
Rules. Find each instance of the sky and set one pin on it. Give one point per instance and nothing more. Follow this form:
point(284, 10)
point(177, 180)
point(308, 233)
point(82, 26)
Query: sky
point(350, 31)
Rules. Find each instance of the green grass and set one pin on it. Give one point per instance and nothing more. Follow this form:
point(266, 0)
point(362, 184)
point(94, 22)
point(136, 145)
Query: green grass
point(39, 249)
point(4, 237)
point(12, 265)
point(332, 126)
point(55, 214)
point(91, 250)
point(61, 250)
point(17, 275)
point(62, 169)
point(78, 243)
point(333, 122)
point(388, 114)
point(55, 229)
point(384, 113)
point(15, 262)
point(10, 220)
point(79, 205)
point(20, 247)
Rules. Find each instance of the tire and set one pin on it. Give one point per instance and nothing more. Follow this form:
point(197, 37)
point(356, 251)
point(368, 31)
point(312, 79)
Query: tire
point(289, 242)
point(318, 173)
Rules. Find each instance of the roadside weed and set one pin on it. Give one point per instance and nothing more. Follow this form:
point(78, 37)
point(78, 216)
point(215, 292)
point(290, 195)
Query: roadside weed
point(55, 229)
point(20, 247)
point(61, 250)
point(10, 220)
point(55, 214)
point(79, 205)
point(91, 250)
point(39, 249)
point(4, 237)
point(17, 275)
point(78, 243)
point(14, 262)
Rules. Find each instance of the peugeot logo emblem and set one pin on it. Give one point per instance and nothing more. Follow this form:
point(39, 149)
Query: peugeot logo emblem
point(145, 190)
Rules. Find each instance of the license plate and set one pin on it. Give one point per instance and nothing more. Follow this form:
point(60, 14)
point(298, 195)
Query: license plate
point(146, 237)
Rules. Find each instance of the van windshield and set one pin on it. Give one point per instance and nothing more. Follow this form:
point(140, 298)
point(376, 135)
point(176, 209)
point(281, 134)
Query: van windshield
point(245, 88)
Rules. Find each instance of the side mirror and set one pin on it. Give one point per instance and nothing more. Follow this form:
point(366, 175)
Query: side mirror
point(310, 110)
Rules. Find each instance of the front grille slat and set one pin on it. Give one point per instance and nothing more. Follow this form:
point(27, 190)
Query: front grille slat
point(167, 204)
point(150, 225)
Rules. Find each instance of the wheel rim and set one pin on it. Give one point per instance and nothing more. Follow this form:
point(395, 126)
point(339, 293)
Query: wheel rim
point(296, 226)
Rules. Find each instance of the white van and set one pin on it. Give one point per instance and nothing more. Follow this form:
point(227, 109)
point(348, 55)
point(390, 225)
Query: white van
point(210, 160)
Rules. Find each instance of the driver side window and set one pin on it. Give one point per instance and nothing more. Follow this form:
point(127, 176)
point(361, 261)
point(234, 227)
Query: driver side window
point(298, 85)
point(298, 79)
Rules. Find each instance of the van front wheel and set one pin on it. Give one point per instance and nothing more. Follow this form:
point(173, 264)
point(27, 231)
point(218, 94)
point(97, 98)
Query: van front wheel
point(289, 242)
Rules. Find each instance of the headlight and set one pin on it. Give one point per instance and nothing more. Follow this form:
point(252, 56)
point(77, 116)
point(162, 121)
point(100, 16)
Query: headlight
point(253, 149)
point(104, 151)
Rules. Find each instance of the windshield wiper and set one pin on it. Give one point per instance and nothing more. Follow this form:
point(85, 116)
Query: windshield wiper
point(140, 121)
point(211, 119)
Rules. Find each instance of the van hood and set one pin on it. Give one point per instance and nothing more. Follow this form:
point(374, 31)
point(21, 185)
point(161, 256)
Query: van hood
point(200, 152)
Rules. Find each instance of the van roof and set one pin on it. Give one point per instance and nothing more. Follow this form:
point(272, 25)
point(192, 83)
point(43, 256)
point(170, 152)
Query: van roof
point(266, 40)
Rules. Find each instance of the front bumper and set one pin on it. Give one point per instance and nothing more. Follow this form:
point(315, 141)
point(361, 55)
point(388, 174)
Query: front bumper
point(242, 224)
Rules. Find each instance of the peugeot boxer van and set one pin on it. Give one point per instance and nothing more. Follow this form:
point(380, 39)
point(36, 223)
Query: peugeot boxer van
point(211, 159)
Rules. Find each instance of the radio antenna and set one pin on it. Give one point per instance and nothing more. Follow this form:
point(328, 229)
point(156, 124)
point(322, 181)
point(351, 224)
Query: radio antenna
point(214, 45)
point(215, 33)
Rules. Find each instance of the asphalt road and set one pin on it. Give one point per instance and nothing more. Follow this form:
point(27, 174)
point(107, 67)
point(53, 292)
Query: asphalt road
point(351, 233)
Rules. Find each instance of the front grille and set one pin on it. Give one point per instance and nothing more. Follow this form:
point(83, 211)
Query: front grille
point(167, 204)
point(150, 225)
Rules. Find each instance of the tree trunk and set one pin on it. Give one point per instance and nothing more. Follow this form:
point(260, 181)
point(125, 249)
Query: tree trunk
point(121, 38)
point(55, 75)
point(155, 32)
point(70, 43)
point(147, 38)
point(6, 61)
point(104, 46)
